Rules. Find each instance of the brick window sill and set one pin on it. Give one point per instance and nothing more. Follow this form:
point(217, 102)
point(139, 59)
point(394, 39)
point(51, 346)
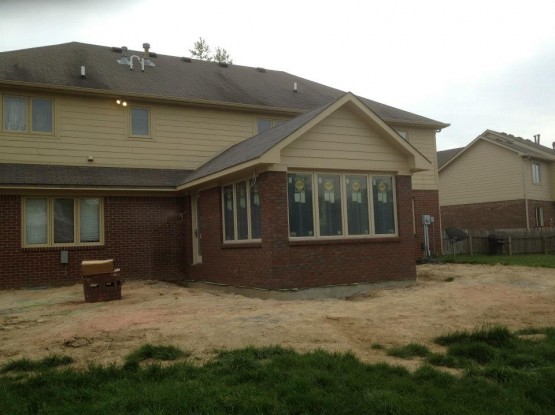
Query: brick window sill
point(257, 244)
point(63, 248)
point(345, 241)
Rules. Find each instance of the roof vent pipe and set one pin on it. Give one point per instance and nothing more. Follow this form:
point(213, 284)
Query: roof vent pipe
point(83, 75)
point(553, 144)
point(146, 59)
point(537, 139)
point(295, 87)
point(124, 60)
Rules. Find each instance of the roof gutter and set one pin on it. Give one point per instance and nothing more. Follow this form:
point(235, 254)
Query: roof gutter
point(154, 98)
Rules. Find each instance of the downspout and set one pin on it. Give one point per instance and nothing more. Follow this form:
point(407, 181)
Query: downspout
point(525, 191)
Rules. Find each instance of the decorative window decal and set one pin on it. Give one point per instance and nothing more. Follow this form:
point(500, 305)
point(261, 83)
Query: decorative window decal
point(343, 204)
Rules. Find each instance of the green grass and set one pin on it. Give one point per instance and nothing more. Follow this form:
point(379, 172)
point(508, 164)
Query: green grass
point(148, 351)
point(544, 261)
point(518, 379)
point(409, 351)
point(26, 365)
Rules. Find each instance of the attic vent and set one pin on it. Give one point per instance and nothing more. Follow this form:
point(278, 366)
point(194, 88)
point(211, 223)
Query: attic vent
point(223, 64)
point(116, 49)
point(261, 70)
point(184, 59)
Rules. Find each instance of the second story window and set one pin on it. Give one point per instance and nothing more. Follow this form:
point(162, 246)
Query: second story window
point(536, 177)
point(264, 124)
point(140, 125)
point(21, 114)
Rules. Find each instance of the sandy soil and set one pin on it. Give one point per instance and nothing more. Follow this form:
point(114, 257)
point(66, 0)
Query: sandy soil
point(36, 323)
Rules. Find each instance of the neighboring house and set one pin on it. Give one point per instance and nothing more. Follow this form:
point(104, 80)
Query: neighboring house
point(498, 181)
point(196, 171)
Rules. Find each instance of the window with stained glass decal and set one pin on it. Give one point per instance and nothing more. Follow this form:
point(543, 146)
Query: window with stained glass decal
point(299, 189)
point(384, 209)
point(241, 206)
point(229, 221)
point(329, 205)
point(242, 210)
point(356, 190)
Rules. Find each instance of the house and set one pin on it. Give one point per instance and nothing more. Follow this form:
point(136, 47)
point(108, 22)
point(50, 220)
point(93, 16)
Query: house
point(192, 170)
point(498, 181)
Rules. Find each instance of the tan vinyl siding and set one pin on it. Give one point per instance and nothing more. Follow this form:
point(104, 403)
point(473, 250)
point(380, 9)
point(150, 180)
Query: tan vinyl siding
point(344, 142)
point(424, 140)
point(181, 137)
point(485, 172)
point(541, 190)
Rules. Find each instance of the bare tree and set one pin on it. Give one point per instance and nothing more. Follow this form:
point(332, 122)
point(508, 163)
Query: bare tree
point(201, 51)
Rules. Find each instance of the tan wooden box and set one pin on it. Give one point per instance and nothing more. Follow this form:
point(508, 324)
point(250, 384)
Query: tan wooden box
point(105, 266)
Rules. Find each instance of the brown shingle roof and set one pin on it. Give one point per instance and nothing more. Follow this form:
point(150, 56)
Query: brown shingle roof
point(173, 78)
point(445, 155)
point(86, 176)
point(255, 146)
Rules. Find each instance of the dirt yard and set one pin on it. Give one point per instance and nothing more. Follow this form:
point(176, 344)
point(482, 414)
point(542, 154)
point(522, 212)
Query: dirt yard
point(36, 323)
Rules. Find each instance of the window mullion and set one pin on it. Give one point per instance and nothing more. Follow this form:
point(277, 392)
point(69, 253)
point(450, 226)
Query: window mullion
point(344, 213)
point(315, 205)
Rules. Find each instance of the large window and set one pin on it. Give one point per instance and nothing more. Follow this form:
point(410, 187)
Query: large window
point(140, 122)
point(241, 211)
point(22, 114)
point(52, 221)
point(340, 205)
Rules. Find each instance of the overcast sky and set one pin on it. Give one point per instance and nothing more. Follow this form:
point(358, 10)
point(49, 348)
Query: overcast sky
point(475, 64)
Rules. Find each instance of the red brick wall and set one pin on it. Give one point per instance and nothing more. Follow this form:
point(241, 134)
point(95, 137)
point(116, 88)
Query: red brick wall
point(144, 235)
point(495, 215)
point(277, 262)
point(426, 202)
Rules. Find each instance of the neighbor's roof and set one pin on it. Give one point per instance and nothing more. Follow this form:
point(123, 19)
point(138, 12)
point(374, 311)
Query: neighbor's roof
point(59, 66)
point(445, 155)
point(85, 176)
point(519, 145)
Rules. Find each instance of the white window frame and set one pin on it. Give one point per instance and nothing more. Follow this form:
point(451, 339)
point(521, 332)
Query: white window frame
point(536, 172)
point(28, 114)
point(235, 239)
point(344, 218)
point(50, 222)
point(149, 121)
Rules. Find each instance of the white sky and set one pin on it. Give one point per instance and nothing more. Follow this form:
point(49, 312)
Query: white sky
point(475, 64)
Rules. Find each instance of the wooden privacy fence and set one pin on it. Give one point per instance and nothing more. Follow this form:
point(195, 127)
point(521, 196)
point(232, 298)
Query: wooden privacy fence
point(518, 241)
